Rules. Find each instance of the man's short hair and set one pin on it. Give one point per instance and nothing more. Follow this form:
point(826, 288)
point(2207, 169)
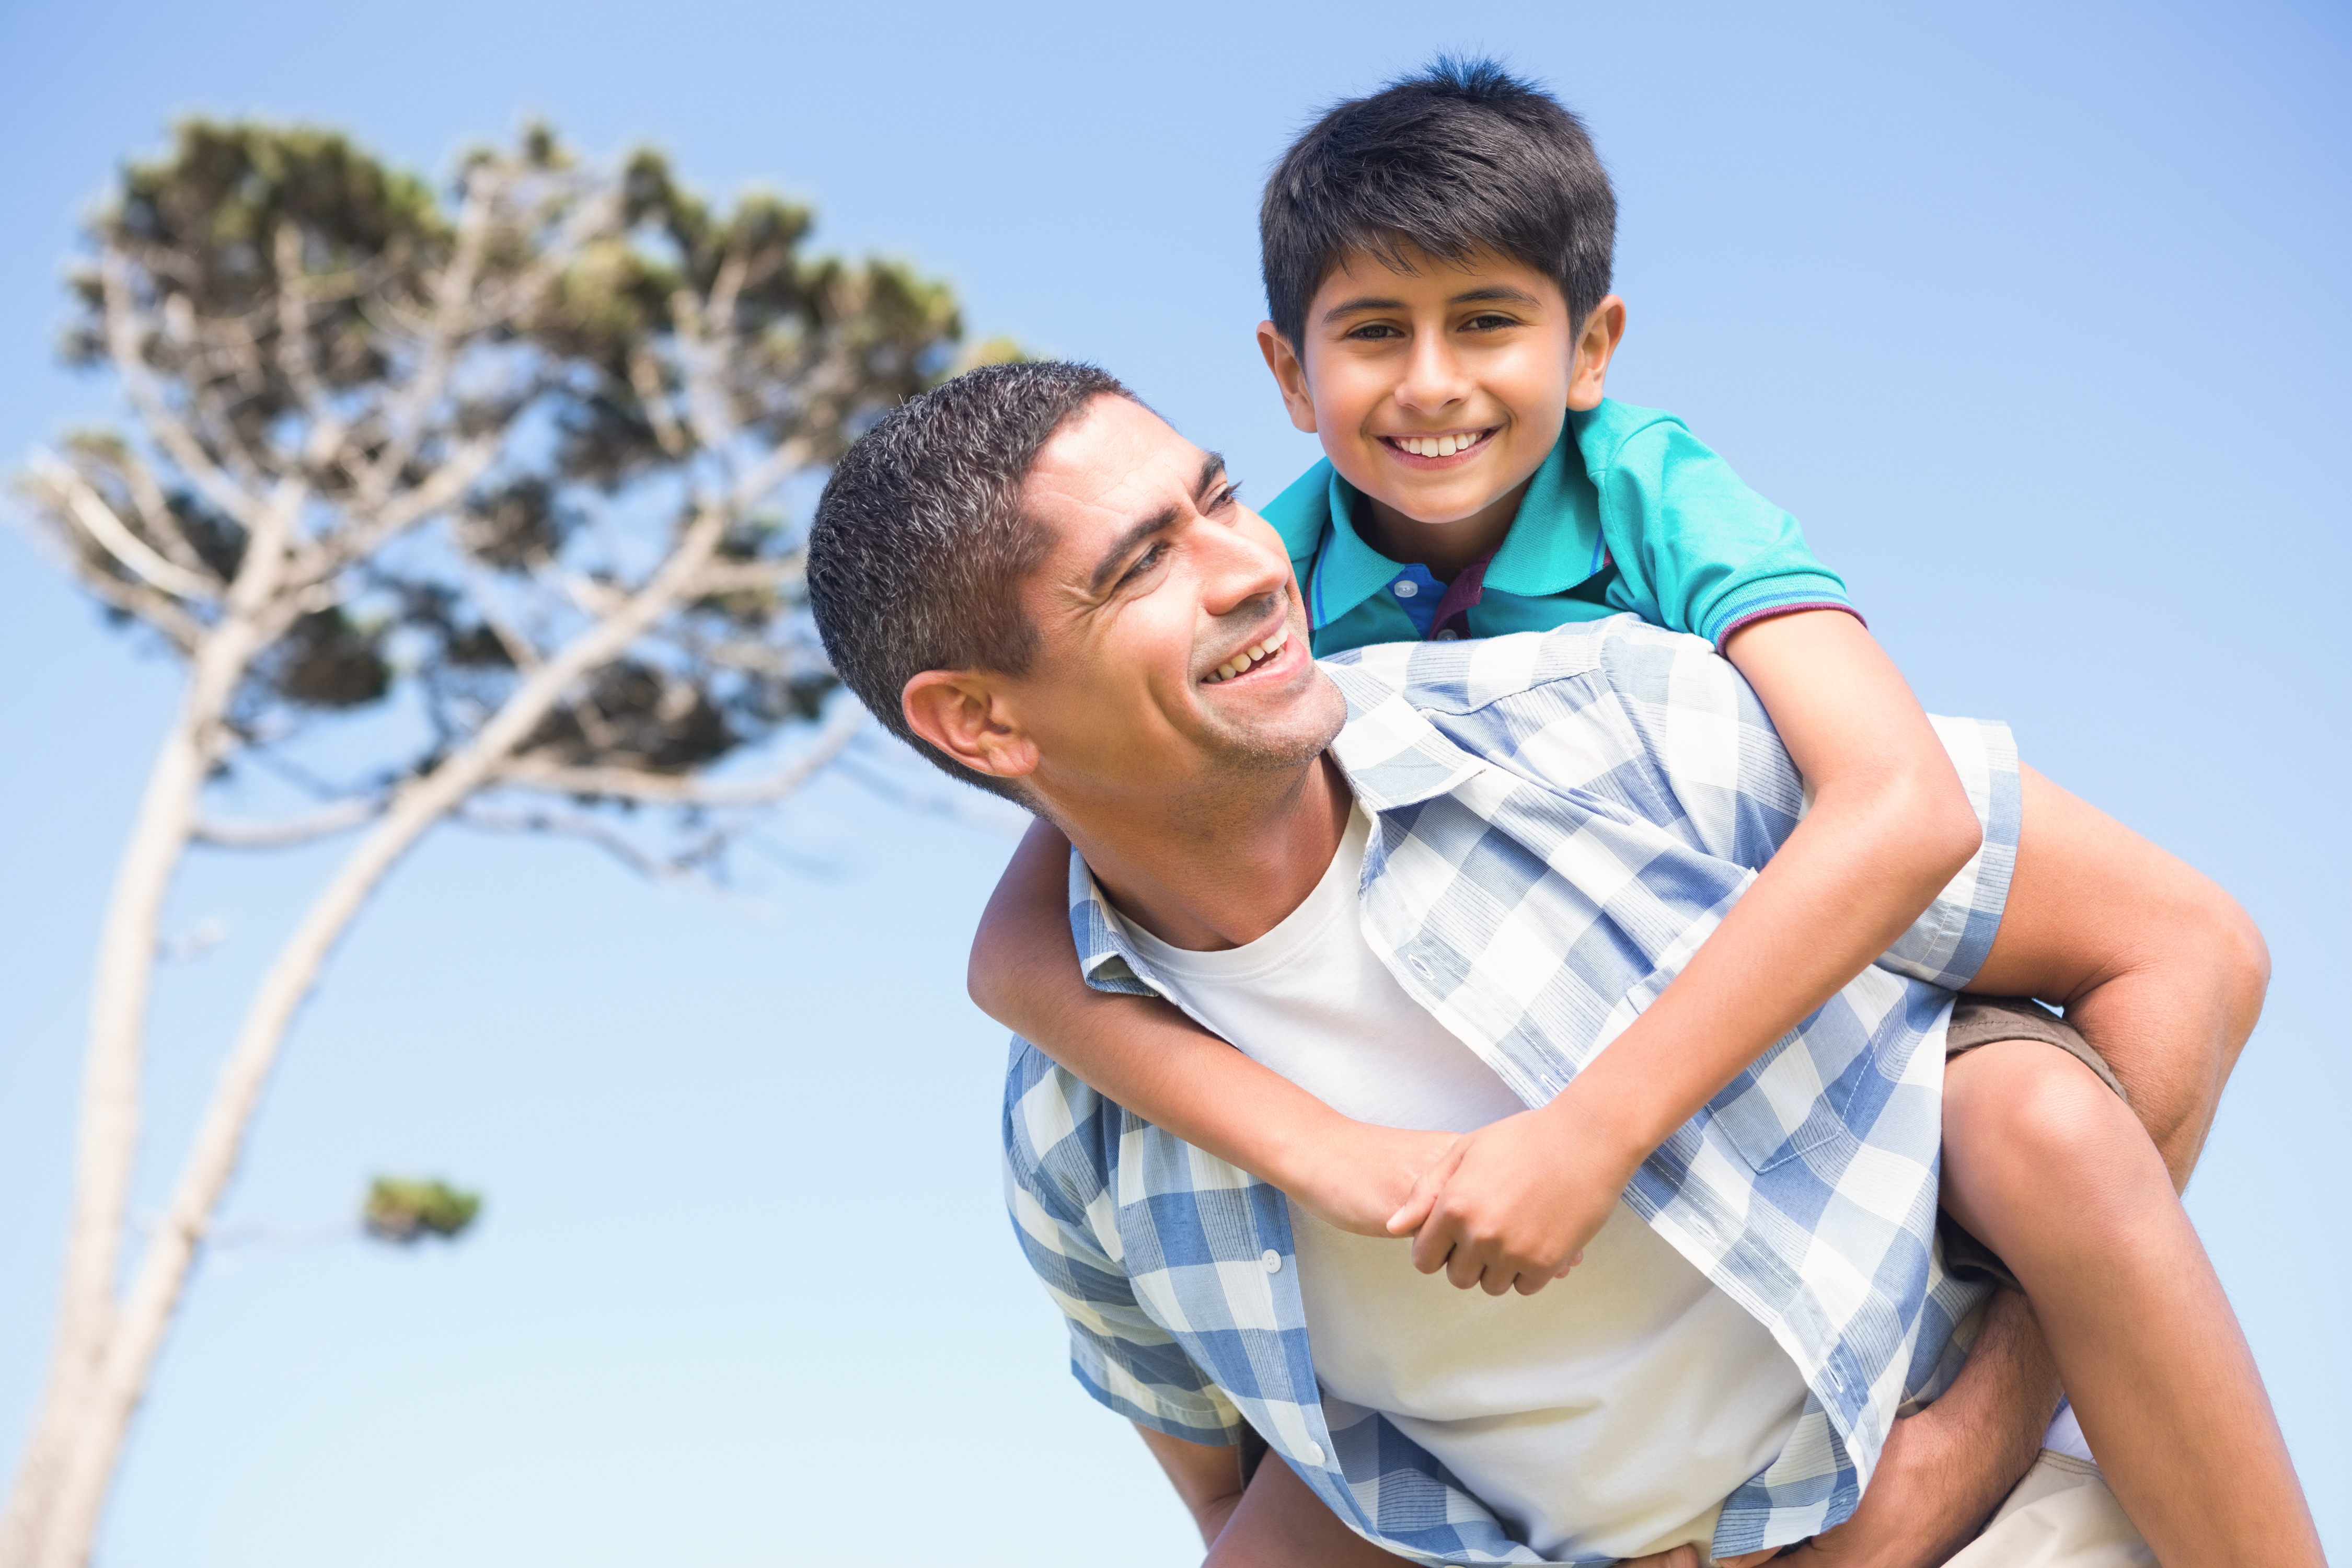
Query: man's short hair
point(920, 546)
point(1460, 156)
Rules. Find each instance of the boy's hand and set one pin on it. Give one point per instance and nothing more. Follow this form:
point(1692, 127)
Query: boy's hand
point(1512, 1205)
point(1357, 1180)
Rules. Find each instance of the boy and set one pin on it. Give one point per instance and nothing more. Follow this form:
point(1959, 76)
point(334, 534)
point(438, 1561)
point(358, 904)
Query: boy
point(1436, 262)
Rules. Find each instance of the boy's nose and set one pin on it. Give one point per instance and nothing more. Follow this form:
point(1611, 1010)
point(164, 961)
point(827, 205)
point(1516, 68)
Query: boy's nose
point(1434, 377)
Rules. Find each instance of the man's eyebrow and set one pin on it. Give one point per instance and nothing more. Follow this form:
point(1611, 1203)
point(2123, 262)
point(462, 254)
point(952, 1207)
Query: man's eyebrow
point(1212, 468)
point(1501, 293)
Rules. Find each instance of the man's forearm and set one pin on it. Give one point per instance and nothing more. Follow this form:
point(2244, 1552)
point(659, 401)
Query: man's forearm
point(1945, 1471)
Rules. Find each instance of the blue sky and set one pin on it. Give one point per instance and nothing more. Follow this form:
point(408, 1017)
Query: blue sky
point(2034, 315)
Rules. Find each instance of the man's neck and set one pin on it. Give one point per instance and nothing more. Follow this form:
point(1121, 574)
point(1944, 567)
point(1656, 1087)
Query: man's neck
point(1220, 869)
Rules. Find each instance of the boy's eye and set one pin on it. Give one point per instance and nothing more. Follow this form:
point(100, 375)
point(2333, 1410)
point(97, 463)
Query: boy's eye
point(1371, 329)
point(1486, 320)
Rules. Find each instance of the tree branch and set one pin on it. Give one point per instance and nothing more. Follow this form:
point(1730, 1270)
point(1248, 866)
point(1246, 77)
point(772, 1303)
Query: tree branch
point(339, 817)
point(632, 783)
point(123, 346)
point(110, 533)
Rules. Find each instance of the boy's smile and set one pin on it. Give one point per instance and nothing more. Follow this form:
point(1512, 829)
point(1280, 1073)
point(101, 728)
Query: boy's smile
point(1438, 390)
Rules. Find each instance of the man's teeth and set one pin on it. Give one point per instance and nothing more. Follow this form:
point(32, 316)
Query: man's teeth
point(1437, 445)
point(1248, 657)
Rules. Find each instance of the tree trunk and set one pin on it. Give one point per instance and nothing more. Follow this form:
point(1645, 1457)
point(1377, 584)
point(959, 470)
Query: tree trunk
point(107, 1152)
point(80, 1466)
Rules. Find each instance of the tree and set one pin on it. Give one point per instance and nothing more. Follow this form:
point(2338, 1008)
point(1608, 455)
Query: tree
point(453, 507)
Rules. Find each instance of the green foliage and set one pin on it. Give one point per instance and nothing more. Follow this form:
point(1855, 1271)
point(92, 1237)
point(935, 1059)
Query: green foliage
point(486, 413)
point(405, 1212)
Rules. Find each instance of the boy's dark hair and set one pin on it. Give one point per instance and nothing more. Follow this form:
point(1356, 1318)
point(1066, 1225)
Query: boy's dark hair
point(919, 549)
point(1459, 156)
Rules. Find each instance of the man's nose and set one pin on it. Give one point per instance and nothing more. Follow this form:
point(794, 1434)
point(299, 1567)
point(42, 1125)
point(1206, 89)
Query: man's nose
point(1244, 567)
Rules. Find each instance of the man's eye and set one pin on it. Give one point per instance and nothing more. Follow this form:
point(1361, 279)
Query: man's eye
point(1144, 562)
point(1487, 322)
point(1226, 497)
point(1371, 329)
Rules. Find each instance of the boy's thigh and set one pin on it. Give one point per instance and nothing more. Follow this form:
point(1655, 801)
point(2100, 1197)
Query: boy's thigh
point(2061, 1515)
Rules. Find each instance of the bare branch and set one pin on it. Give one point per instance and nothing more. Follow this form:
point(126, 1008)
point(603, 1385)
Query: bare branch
point(453, 306)
point(633, 784)
point(294, 355)
point(440, 491)
point(645, 380)
point(155, 510)
point(341, 817)
point(584, 826)
point(746, 576)
point(778, 465)
point(89, 508)
point(123, 346)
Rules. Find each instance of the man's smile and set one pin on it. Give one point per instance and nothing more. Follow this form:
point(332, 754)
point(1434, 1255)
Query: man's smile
point(1257, 656)
point(1445, 449)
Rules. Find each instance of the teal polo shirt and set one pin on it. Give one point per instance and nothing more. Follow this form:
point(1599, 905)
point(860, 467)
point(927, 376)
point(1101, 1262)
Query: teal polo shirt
point(1629, 513)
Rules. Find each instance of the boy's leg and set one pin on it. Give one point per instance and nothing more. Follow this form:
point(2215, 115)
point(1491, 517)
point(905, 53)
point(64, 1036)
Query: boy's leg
point(2160, 968)
point(2045, 1164)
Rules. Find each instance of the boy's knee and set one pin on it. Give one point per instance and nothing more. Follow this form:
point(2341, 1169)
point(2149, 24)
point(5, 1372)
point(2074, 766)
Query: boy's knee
point(2027, 1120)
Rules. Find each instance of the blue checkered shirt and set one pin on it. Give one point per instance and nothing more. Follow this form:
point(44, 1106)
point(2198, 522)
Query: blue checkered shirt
point(1561, 820)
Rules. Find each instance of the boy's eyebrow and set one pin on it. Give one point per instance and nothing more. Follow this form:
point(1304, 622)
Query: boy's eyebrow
point(1493, 293)
point(1213, 469)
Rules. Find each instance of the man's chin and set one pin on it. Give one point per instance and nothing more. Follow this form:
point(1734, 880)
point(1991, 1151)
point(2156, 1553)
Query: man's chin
point(1295, 734)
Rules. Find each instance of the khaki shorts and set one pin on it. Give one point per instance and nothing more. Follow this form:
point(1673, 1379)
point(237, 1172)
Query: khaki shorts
point(1980, 1021)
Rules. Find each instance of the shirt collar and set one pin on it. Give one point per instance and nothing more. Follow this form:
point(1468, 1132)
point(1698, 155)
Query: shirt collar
point(1553, 544)
point(1392, 757)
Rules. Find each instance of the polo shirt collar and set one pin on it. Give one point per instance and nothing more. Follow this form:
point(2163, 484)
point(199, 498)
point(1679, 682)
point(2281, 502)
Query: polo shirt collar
point(1553, 544)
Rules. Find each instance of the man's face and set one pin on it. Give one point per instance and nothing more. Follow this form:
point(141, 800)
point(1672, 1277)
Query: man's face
point(1438, 390)
point(1173, 648)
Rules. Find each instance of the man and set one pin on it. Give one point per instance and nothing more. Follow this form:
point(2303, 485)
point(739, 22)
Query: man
point(1022, 574)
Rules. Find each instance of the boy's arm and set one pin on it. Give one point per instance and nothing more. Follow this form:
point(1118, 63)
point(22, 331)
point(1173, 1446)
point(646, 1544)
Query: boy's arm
point(1143, 1054)
point(1889, 826)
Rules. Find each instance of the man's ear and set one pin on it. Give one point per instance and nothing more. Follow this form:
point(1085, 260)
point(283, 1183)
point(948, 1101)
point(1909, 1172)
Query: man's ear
point(1595, 346)
point(1289, 374)
point(961, 713)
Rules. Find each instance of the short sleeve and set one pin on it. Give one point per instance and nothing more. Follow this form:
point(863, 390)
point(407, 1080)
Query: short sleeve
point(1947, 946)
point(1696, 550)
point(1056, 1188)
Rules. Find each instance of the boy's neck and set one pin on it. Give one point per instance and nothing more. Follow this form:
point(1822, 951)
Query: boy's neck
point(1446, 547)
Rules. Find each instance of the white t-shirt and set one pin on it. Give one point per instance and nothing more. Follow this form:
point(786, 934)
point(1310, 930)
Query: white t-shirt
point(1608, 1414)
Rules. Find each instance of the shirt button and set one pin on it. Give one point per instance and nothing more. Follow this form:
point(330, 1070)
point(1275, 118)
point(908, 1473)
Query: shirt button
point(1448, 635)
point(1312, 1453)
point(1271, 1259)
point(1405, 590)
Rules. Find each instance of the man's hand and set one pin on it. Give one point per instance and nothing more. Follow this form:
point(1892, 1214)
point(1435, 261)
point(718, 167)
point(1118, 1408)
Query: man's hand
point(1512, 1205)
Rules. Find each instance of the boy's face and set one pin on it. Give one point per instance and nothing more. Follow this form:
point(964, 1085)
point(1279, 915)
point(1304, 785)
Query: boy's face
point(1439, 391)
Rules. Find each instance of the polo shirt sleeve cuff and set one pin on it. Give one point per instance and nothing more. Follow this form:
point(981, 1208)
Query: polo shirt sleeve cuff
point(1780, 596)
point(1947, 944)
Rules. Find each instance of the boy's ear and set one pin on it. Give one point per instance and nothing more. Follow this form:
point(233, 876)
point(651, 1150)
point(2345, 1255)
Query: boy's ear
point(1595, 346)
point(1289, 374)
point(959, 712)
